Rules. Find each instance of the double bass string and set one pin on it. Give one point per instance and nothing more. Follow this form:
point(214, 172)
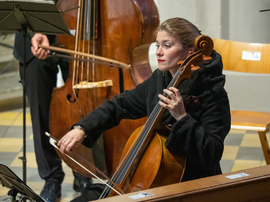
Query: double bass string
point(75, 63)
point(92, 31)
point(81, 37)
point(89, 46)
point(78, 71)
point(85, 48)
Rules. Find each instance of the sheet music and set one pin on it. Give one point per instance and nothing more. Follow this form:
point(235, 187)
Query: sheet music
point(40, 16)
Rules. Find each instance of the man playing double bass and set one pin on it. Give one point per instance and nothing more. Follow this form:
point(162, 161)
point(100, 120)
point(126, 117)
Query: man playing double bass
point(40, 81)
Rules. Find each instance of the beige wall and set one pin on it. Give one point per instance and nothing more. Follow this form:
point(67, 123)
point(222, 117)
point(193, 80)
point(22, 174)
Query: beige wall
point(239, 20)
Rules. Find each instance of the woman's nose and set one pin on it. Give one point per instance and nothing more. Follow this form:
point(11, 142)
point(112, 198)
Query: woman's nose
point(159, 51)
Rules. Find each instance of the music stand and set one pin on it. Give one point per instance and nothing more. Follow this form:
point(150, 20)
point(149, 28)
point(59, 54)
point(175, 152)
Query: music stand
point(22, 16)
point(10, 180)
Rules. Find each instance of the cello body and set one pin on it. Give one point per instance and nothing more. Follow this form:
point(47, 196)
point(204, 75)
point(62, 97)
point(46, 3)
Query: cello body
point(158, 160)
point(120, 26)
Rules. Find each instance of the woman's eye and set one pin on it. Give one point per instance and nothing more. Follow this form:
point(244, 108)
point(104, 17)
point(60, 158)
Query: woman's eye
point(168, 45)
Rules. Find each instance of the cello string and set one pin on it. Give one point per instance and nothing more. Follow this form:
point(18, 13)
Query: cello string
point(122, 167)
point(152, 117)
point(127, 160)
point(175, 81)
point(140, 140)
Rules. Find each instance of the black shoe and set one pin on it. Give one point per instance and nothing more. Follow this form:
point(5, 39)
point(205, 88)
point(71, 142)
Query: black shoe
point(82, 185)
point(93, 193)
point(51, 191)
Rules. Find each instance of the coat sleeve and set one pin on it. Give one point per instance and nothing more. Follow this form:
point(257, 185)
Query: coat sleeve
point(128, 105)
point(200, 137)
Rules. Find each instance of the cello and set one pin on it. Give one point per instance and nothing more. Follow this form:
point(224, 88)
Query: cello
point(145, 148)
point(110, 29)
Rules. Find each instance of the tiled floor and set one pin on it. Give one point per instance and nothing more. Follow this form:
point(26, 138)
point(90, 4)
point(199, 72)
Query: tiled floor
point(242, 151)
point(11, 148)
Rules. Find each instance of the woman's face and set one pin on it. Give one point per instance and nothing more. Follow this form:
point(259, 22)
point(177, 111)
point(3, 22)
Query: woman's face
point(169, 51)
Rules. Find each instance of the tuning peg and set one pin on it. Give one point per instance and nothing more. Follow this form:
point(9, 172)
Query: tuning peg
point(180, 62)
point(206, 59)
point(193, 68)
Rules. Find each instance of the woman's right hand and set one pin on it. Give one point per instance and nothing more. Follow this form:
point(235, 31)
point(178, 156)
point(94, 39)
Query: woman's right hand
point(39, 39)
point(72, 139)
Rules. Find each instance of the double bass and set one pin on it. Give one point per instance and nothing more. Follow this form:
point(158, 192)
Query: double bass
point(111, 29)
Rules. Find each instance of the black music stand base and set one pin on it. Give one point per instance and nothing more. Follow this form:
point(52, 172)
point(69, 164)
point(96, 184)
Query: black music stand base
point(10, 180)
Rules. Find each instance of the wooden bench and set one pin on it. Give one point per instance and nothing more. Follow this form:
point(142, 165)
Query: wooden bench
point(250, 185)
point(247, 70)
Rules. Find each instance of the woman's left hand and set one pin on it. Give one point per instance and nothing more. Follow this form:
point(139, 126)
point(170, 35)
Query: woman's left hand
point(174, 103)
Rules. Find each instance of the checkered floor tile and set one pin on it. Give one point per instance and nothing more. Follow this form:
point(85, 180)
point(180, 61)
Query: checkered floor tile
point(242, 151)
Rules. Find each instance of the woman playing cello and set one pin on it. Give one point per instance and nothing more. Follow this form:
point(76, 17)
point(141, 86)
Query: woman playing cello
point(198, 110)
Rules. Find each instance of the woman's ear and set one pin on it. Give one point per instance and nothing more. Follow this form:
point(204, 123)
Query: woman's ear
point(191, 50)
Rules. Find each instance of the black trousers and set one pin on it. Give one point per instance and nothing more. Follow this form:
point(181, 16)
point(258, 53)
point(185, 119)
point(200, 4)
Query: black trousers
point(40, 80)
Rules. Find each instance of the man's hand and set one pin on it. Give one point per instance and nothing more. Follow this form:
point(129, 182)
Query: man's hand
point(39, 39)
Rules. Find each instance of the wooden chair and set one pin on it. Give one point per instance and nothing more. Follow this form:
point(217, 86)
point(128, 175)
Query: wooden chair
point(247, 70)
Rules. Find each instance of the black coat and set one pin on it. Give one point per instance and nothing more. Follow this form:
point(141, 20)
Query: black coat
point(199, 136)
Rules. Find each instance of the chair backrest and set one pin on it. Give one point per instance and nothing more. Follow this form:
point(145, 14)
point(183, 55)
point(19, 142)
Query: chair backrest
point(247, 70)
point(244, 57)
